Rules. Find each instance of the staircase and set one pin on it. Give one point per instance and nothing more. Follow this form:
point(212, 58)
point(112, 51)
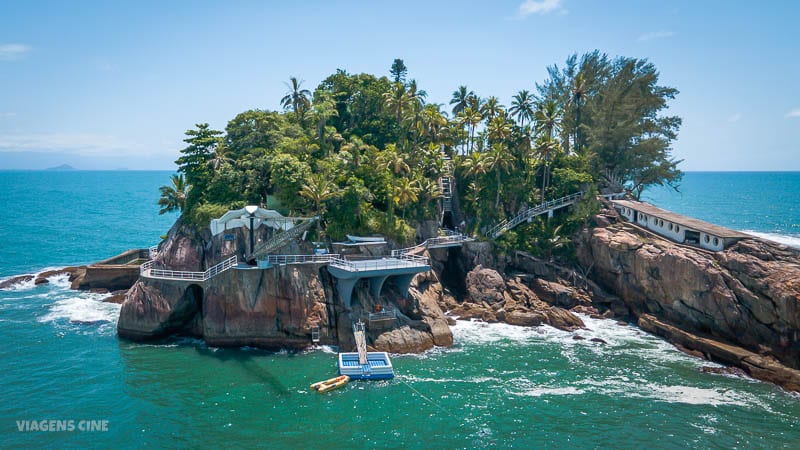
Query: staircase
point(280, 239)
point(446, 186)
point(530, 213)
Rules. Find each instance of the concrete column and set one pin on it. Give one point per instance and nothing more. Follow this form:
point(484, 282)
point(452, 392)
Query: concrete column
point(375, 285)
point(403, 282)
point(345, 288)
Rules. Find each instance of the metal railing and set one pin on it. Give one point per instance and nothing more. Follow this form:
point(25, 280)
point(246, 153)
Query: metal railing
point(386, 313)
point(396, 262)
point(280, 239)
point(298, 259)
point(450, 238)
point(529, 213)
point(148, 271)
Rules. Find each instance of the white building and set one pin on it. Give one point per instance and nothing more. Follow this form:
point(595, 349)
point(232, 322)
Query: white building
point(678, 228)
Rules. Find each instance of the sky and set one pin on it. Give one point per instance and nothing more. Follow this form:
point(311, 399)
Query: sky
point(107, 85)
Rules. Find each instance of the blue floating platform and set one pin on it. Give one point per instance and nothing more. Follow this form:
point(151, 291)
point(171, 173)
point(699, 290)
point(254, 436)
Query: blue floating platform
point(378, 367)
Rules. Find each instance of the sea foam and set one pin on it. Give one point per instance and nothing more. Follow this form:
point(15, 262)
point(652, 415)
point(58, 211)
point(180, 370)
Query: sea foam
point(785, 239)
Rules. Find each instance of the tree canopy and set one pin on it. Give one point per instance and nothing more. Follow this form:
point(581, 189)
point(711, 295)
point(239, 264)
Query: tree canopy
point(368, 152)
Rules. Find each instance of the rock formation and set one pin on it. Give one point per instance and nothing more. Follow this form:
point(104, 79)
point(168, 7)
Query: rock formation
point(746, 296)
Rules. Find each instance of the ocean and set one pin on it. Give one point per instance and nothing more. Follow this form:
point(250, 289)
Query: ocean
point(498, 386)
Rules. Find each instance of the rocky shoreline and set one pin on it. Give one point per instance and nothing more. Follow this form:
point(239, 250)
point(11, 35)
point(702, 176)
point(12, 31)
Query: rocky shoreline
point(739, 307)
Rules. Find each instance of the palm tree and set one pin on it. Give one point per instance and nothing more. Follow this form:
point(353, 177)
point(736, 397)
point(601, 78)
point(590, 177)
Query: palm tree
point(522, 107)
point(173, 198)
point(397, 100)
point(405, 192)
point(319, 188)
point(296, 97)
point(499, 160)
point(491, 108)
point(499, 129)
point(220, 157)
point(548, 118)
point(470, 117)
point(461, 98)
point(322, 110)
point(546, 147)
point(578, 98)
point(474, 165)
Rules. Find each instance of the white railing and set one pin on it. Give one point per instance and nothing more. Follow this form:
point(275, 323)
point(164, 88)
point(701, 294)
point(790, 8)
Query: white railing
point(529, 213)
point(396, 262)
point(298, 259)
point(147, 270)
point(450, 238)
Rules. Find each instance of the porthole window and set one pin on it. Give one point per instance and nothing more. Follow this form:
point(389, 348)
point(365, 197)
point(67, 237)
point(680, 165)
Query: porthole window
point(716, 242)
point(706, 239)
point(670, 227)
point(677, 228)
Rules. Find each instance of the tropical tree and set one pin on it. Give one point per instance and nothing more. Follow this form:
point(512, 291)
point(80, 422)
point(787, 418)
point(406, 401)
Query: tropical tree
point(296, 97)
point(491, 108)
point(399, 71)
point(471, 118)
point(397, 101)
point(461, 99)
point(319, 188)
point(522, 107)
point(323, 109)
point(548, 118)
point(394, 161)
point(405, 192)
point(499, 160)
point(221, 156)
point(193, 162)
point(173, 198)
point(546, 147)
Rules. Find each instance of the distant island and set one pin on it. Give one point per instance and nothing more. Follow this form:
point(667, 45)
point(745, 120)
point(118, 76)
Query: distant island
point(62, 167)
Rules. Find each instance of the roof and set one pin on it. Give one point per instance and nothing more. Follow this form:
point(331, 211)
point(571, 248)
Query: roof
point(684, 221)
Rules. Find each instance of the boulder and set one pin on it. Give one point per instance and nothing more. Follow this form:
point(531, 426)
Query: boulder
point(485, 285)
point(9, 283)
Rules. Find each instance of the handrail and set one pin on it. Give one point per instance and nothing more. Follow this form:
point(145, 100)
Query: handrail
point(147, 270)
point(298, 259)
point(377, 264)
point(541, 208)
point(450, 237)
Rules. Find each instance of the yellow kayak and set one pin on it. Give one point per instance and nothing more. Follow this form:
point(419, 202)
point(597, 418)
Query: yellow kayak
point(331, 384)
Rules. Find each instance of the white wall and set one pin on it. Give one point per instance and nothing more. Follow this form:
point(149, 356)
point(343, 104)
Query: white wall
point(707, 241)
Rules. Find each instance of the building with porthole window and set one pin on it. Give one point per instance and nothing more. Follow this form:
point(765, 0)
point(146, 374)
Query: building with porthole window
point(679, 228)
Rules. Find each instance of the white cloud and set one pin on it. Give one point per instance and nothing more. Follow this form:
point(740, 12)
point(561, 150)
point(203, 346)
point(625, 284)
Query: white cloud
point(793, 113)
point(542, 7)
point(735, 117)
point(76, 143)
point(13, 51)
point(655, 35)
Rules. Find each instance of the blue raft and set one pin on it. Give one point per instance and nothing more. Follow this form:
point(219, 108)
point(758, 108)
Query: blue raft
point(378, 366)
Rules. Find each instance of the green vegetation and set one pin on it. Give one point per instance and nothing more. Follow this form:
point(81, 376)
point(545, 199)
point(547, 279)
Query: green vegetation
point(366, 151)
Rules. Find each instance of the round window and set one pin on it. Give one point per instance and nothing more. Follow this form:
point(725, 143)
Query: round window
point(716, 241)
point(706, 239)
point(670, 227)
point(677, 228)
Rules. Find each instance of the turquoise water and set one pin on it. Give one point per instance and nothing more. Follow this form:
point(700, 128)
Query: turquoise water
point(763, 203)
point(498, 386)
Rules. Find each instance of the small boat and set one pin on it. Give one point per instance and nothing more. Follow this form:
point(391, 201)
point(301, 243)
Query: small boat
point(330, 384)
point(365, 238)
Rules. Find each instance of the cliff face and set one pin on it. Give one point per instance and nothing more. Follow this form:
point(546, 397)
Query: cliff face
point(276, 307)
point(747, 295)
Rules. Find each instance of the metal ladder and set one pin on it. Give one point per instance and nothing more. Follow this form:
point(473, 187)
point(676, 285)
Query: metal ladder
point(361, 346)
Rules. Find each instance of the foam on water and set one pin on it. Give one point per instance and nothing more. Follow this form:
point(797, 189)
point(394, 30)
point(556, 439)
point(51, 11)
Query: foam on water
point(785, 239)
point(82, 308)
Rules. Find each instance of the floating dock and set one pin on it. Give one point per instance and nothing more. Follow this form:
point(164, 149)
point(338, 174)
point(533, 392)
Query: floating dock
point(364, 365)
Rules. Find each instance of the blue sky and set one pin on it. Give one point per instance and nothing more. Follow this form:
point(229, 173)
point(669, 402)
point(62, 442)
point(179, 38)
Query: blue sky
point(104, 85)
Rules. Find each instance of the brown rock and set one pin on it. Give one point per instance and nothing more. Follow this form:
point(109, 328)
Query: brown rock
point(404, 340)
point(9, 283)
point(748, 294)
point(485, 285)
point(757, 366)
